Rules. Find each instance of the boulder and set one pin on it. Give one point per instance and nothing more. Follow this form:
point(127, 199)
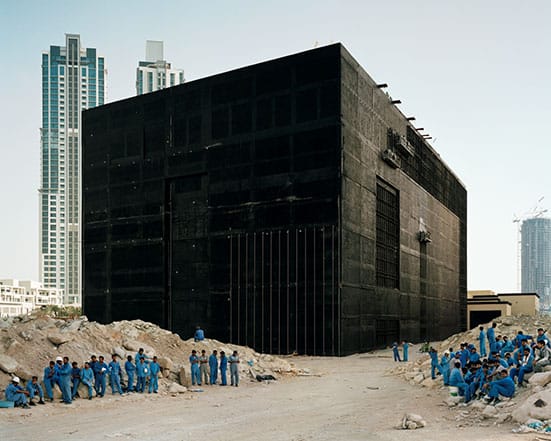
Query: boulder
point(165, 363)
point(536, 406)
point(430, 383)
point(541, 378)
point(453, 401)
point(176, 388)
point(120, 352)
point(490, 412)
point(7, 364)
point(26, 335)
point(418, 378)
point(23, 373)
point(413, 421)
point(83, 391)
point(58, 339)
point(184, 380)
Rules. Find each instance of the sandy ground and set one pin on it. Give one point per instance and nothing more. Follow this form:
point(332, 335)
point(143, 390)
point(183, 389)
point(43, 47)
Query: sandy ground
point(352, 399)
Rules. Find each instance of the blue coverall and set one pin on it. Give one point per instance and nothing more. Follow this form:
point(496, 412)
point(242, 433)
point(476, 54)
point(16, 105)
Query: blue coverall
point(49, 381)
point(87, 378)
point(199, 335)
point(130, 372)
point(65, 382)
point(195, 374)
point(213, 365)
point(491, 336)
point(75, 377)
point(405, 349)
point(154, 370)
point(474, 357)
point(445, 368)
point(35, 388)
point(505, 387)
point(456, 379)
point(223, 369)
point(527, 365)
point(507, 347)
point(234, 370)
point(101, 378)
point(13, 394)
point(434, 364)
point(115, 377)
point(482, 343)
point(141, 372)
point(395, 353)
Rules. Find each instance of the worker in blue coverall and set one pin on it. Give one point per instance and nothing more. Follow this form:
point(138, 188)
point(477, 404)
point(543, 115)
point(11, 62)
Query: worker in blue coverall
point(87, 378)
point(14, 392)
point(434, 365)
point(223, 369)
point(504, 385)
point(154, 369)
point(199, 334)
point(464, 354)
point(142, 372)
point(57, 367)
point(456, 379)
point(482, 341)
point(395, 352)
point(213, 365)
point(508, 346)
point(35, 389)
point(474, 356)
point(75, 378)
point(525, 366)
point(130, 373)
point(405, 350)
point(101, 376)
point(141, 354)
point(65, 381)
point(234, 369)
point(195, 373)
point(491, 335)
point(49, 380)
point(115, 375)
point(445, 367)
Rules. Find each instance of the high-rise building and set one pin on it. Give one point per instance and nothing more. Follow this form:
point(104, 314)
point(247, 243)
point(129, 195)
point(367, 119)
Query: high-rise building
point(536, 258)
point(73, 79)
point(155, 73)
point(287, 206)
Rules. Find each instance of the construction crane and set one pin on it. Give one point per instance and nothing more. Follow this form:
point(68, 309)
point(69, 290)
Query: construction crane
point(534, 213)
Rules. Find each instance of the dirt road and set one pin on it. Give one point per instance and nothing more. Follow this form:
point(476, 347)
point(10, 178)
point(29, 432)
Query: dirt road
point(352, 399)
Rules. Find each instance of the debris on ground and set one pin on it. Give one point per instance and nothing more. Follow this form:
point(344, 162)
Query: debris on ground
point(411, 421)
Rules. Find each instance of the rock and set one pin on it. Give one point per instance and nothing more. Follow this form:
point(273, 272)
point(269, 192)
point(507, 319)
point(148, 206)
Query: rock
point(23, 373)
point(184, 380)
point(134, 346)
point(490, 412)
point(176, 388)
point(5, 323)
point(165, 363)
point(541, 378)
point(418, 378)
point(413, 421)
point(478, 405)
point(26, 335)
point(7, 364)
point(430, 383)
point(59, 339)
point(83, 391)
point(165, 373)
point(120, 352)
point(536, 406)
point(453, 401)
point(73, 325)
point(503, 417)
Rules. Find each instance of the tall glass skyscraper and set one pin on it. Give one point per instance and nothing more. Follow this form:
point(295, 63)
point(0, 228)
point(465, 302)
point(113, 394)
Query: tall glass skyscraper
point(536, 258)
point(73, 79)
point(155, 73)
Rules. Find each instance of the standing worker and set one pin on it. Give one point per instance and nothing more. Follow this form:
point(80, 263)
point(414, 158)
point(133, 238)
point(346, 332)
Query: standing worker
point(195, 373)
point(141, 372)
point(49, 380)
point(234, 369)
point(102, 369)
point(405, 349)
point(491, 335)
point(203, 367)
point(130, 372)
point(65, 381)
point(223, 369)
point(434, 365)
point(213, 366)
point(87, 378)
point(395, 352)
point(482, 341)
point(75, 378)
point(154, 370)
point(115, 375)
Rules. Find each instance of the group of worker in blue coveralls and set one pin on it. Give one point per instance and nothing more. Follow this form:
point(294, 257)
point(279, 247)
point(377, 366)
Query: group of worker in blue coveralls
point(396, 351)
point(477, 375)
point(68, 376)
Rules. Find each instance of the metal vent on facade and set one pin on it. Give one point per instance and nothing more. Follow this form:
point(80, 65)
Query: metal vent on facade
point(424, 237)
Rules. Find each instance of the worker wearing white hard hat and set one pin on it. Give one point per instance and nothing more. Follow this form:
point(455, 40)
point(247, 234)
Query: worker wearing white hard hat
point(14, 392)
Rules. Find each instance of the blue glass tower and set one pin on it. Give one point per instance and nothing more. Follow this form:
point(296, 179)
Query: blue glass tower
point(73, 79)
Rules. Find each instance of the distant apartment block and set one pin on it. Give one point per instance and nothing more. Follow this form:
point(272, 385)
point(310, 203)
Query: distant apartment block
point(21, 297)
point(155, 73)
point(536, 258)
point(73, 79)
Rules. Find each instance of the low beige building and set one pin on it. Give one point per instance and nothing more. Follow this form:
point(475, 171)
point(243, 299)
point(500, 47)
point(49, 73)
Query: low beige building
point(485, 305)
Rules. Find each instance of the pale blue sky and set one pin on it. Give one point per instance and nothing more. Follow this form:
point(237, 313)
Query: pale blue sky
point(475, 74)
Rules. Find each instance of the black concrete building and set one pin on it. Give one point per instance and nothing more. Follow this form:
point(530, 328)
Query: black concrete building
point(287, 205)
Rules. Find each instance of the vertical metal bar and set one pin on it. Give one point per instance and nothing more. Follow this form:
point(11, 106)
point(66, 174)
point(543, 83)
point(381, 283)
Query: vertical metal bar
point(279, 292)
point(324, 286)
point(333, 290)
point(271, 290)
point(314, 297)
point(305, 291)
point(288, 306)
point(262, 300)
point(246, 289)
point(254, 290)
point(238, 288)
point(231, 286)
point(296, 290)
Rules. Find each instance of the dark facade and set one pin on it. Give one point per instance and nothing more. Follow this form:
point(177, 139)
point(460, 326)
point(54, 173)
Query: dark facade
point(288, 206)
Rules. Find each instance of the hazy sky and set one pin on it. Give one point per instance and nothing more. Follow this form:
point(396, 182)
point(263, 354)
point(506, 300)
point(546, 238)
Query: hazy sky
point(475, 74)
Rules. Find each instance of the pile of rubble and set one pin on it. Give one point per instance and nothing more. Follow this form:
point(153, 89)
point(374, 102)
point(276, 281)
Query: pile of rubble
point(531, 407)
point(28, 343)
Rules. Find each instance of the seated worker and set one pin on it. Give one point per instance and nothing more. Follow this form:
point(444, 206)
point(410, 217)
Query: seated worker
point(35, 389)
point(17, 394)
point(456, 379)
point(525, 366)
point(542, 356)
point(503, 385)
point(199, 334)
